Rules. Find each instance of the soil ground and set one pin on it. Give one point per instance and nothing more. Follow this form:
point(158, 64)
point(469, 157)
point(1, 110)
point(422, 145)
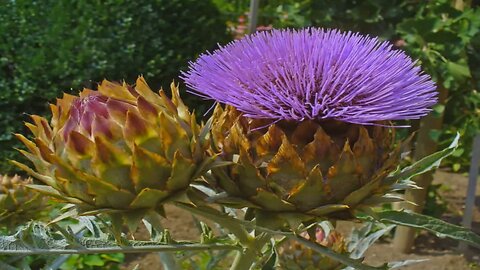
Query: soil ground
point(441, 254)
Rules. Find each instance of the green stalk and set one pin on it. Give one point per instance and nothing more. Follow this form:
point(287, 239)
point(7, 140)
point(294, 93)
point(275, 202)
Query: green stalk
point(244, 259)
point(251, 245)
point(124, 249)
point(222, 219)
point(247, 257)
point(166, 258)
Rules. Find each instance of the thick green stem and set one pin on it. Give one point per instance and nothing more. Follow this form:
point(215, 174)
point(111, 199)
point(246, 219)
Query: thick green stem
point(224, 220)
point(118, 249)
point(244, 259)
point(247, 257)
point(252, 246)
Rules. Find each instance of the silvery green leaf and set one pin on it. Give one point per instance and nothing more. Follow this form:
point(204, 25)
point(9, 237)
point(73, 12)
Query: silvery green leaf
point(154, 234)
point(92, 226)
point(425, 164)
point(206, 190)
point(272, 261)
point(404, 184)
point(399, 264)
point(72, 212)
point(343, 258)
point(431, 224)
point(357, 235)
point(363, 244)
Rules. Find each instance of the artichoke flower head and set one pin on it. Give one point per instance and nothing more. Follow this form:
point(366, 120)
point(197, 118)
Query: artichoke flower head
point(121, 149)
point(17, 203)
point(307, 123)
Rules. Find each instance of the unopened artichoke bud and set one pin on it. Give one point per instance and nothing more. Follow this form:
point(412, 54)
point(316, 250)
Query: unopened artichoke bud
point(117, 149)
point(18, 204)
point(308, 119)
point(295, 256)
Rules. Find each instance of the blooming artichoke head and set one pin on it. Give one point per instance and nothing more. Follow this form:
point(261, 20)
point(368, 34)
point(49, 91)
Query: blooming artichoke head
point(120, 148)
point(307, 123)
point(18, 204)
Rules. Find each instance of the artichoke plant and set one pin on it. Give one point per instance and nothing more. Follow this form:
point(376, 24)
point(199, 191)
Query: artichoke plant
point(122, 149)
point(18, 204)
point(294, 256)
point(307, 124)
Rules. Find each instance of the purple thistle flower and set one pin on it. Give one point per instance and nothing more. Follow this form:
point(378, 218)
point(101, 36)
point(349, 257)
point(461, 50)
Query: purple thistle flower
point(314, 74)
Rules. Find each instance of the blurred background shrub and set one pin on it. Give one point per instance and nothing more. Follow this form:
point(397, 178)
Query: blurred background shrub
point(52, 46)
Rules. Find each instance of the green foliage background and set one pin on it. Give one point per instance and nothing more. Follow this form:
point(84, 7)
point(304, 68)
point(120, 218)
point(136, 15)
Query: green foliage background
point(52, 46)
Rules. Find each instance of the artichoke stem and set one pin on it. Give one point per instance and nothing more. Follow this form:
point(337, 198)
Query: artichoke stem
point(248, 256)
point(166, 258)
point(244, 259)
point(116, 229)
point(226, 222)
point(251, 245)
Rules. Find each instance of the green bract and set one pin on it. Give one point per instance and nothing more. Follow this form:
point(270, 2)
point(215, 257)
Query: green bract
point(302, 170)
point(17, 203)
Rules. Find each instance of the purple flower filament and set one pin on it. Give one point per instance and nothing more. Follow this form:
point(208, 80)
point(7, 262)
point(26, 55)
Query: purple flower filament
point(314, 74)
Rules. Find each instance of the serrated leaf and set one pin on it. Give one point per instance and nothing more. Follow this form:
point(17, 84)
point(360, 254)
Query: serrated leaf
point(431, 224)
point(425, 164)
point(91, 225)
point(272, 262)
point(394, 265)
point(364, 243)
point(343, 258)
point(73, 212)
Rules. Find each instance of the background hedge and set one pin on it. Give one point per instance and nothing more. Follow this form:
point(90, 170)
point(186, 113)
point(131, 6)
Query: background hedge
point(52, 46)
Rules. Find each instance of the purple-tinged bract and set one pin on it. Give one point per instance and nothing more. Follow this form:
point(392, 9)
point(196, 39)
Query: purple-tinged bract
point(314, 74)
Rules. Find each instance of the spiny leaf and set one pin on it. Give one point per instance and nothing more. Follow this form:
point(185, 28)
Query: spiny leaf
point(425, 164)
point(343, 258)
point(431, 224)
point(91, 225)
point(357, 250)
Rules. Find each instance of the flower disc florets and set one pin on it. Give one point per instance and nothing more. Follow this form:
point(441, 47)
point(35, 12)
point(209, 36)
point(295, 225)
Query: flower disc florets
point(314, 74)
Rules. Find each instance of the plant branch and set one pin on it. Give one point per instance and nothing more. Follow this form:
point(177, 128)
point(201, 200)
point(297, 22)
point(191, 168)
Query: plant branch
point(167, 259)
point(241, 260)
point(124, 249)
point(248, 256)
point(356, 263)
point(232, 224)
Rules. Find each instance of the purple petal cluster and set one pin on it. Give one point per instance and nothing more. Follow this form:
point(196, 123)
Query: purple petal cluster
point(314, 74)
point(84, 112)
